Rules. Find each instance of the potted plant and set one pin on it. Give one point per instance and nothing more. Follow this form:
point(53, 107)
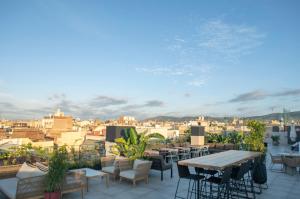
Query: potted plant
point(275, 139)
point(55, 176)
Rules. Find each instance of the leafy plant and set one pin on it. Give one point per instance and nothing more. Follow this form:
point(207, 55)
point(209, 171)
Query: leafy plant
point(255, 139)
point(57, 168)
point(132, 145)
point(235, 137)
point(275, 139)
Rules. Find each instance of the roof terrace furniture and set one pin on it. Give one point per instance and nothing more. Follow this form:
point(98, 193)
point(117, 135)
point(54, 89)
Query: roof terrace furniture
point(74, 182)
point(172, 155)
point(139, 171)
point(276, 159)
point(184, 153)
point(29, 183)
point(159, 163)
point(220, 161)
point(91, 173)
point(114, 167)
point(290, 164)
point(27, 188)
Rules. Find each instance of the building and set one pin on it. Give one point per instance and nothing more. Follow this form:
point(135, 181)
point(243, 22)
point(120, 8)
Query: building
point(56, 124)
point(2, 133)
point(127, 120)
point(27, 132)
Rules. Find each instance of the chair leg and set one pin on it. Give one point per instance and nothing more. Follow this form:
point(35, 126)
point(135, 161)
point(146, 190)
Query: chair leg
point(172, 172)
point(161, 175)
point(189, 189)
point(177, 189)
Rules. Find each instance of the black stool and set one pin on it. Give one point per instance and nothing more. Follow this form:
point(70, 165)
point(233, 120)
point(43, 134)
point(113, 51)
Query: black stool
point(222, 182)
point(184, 173)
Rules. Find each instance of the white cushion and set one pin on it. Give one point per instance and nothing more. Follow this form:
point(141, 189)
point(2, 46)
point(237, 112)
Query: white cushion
point(129, 174)
point(9, 187)
point(27, 171)
point(110, 169)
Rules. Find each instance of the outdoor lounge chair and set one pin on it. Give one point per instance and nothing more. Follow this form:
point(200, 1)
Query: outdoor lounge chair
point(113, 166)
point(158, 163)
point(139, 171)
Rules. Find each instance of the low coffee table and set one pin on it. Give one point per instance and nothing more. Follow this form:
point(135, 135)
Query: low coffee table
point(91, 173)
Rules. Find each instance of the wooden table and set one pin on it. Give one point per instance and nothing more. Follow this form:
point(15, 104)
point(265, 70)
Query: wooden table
point(91, 173)
point(219, 161)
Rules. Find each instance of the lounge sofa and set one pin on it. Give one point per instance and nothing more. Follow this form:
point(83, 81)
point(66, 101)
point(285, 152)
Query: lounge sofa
point(29, 183)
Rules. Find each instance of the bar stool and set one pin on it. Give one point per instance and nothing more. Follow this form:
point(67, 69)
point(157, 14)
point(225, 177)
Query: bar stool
point(238, 178)
point(222, 182)
point(184, 173)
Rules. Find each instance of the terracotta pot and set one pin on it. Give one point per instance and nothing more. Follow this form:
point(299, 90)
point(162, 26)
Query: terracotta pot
point(52, 195)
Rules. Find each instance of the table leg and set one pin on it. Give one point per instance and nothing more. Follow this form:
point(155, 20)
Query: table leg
point(198, 189)
point(87, 184)
point(107, 180)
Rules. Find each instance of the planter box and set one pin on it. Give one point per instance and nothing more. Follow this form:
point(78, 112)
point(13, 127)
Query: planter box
point(9, 171)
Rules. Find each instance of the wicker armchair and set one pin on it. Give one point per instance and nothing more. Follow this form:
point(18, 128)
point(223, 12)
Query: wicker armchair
point(139, 171)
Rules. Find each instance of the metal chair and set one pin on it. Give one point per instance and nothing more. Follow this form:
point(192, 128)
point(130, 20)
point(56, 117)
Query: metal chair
point(172, 156)
point(205, 150)
point(222, 182)
point(238, 178)
point(184, 173)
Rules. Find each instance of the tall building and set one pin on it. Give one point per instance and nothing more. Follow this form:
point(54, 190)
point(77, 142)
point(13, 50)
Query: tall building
point(56, 124)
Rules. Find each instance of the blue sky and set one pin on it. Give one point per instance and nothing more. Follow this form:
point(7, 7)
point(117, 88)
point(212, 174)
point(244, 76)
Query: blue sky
point(102, 59)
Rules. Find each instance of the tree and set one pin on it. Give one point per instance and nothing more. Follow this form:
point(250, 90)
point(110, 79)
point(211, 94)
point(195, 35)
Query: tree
point(255, 139)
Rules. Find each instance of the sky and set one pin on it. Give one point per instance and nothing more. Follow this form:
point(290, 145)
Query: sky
point(103, 59)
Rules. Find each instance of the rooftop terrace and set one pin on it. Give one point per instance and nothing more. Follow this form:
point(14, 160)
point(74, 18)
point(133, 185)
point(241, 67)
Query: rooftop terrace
point(281, 185)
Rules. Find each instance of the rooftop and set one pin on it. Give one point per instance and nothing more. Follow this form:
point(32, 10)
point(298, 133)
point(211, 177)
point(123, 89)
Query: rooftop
point(280, 185)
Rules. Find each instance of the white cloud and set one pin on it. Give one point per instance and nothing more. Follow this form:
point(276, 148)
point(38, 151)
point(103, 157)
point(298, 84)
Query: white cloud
point(229, 40)
point(196, 82)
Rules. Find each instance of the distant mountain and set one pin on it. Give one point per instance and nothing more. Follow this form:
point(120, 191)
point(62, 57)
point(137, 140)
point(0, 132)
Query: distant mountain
point(273, 116)
point(276, 116)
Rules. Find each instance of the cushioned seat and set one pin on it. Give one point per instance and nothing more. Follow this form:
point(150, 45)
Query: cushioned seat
point(139, 171)
point(109, 169)
point(129, 174)
point(9, 187)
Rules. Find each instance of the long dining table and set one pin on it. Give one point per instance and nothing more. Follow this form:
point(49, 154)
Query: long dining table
point(219, 161)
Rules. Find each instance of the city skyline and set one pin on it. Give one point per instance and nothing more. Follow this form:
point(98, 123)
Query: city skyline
point(104, 59)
